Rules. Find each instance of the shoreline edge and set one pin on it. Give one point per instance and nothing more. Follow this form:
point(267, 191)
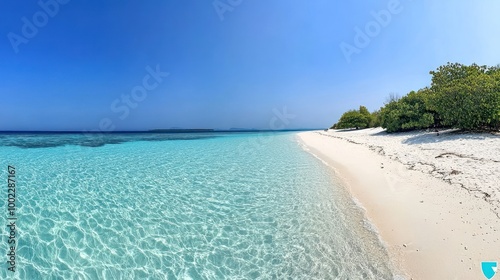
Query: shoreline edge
point(431, 229)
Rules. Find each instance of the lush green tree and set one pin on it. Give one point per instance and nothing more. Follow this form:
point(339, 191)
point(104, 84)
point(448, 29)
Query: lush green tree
point(429, 98)
point(375, 119)
point(409, 112)
point(461, 96)
point(364, 111)
point(494, 73)
point(467, 97)
point(353, 119)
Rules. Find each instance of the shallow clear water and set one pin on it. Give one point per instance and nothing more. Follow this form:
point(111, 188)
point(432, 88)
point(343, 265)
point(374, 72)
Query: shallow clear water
point(211, 206)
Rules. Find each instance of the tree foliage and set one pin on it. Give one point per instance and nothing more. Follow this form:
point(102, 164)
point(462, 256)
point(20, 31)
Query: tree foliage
point(467, 97)
point(375, 119)
point(409, 112)
point(460, 96)
point(368, 117)
point(355, 119)
point(361, 118)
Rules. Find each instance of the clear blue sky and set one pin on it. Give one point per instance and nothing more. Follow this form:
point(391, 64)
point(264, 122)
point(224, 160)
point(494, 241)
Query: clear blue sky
point(227, 68)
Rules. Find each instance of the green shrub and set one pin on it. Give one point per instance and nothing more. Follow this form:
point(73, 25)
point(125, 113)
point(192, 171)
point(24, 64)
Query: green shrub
point(467, 97)
point(353, 119)
point(429, 98)
point(363, 111)
point(460, 96)
point(409, 112)
point(375, 119)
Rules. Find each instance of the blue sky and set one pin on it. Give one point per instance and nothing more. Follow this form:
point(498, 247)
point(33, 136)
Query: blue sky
point(230, 65)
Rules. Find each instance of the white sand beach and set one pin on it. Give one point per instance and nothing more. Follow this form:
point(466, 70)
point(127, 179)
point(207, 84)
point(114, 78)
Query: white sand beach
point(434, 198)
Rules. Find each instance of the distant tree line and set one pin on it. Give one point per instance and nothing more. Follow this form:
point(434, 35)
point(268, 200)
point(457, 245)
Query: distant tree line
point(460, 96)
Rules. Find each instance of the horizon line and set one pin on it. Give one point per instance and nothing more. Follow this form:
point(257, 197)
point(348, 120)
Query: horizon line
point(176, 130)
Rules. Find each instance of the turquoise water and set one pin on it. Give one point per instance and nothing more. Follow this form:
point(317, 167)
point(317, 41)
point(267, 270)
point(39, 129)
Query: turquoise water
point(185, 206)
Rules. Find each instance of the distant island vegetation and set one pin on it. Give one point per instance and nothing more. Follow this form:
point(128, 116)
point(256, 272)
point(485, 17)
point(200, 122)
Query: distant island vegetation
point(460, 96)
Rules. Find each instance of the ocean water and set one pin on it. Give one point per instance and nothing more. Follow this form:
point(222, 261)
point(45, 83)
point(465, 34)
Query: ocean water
point(181, 206)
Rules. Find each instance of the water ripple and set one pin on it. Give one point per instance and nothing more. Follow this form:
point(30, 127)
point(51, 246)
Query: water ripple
point(187, 210)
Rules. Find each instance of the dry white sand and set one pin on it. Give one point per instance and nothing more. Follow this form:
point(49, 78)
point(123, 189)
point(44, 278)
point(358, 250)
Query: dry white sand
point(433, 199)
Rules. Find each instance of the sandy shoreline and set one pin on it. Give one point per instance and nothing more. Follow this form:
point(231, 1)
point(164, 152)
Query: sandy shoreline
point(437, 223)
